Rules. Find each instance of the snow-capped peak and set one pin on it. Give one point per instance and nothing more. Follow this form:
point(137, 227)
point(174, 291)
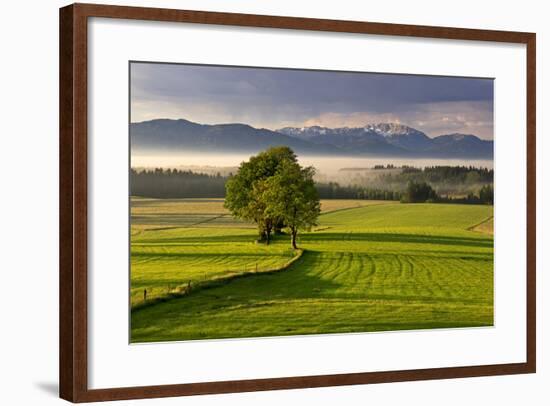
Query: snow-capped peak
point(381, 129)
point(390, 129)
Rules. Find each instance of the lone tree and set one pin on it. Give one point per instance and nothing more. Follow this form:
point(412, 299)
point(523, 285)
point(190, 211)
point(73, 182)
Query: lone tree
point(293, 198)
point(244, 191)
point(275, 192)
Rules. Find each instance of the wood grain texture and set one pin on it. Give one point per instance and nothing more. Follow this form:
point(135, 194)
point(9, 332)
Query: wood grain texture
point(66, 130)
point(531, 204)
point(73, 200)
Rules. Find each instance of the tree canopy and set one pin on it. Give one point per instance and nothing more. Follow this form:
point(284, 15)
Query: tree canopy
point(486, 194)
point(274, 191)
point(293, 199)
point(419, 193)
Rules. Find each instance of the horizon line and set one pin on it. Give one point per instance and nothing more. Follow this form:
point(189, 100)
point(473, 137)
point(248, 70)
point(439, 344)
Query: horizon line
point(309, 126)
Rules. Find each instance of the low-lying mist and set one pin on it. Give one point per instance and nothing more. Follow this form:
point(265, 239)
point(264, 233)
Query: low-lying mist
point(386, 174)
point(328, 167)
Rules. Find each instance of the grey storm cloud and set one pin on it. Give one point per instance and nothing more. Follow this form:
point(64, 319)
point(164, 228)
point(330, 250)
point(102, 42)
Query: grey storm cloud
point(273, 98)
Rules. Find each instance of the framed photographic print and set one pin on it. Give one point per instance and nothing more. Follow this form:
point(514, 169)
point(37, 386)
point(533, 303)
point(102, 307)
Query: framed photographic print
point(256, 202)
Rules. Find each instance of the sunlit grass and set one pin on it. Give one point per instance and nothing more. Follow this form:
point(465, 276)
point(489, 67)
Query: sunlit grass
point(379, 267)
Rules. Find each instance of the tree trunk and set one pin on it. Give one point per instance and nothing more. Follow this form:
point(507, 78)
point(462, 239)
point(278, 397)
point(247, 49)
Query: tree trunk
point(293, 239)
point(267, 233)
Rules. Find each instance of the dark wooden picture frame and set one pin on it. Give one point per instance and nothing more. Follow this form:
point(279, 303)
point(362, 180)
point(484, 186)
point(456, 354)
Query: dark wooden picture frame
point(73, 201)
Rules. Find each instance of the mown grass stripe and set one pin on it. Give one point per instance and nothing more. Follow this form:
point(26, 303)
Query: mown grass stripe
point(181, 291)
point(348, 280)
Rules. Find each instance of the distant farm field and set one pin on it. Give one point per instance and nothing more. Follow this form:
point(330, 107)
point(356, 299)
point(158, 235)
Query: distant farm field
point(368, 266)
point(148, 213)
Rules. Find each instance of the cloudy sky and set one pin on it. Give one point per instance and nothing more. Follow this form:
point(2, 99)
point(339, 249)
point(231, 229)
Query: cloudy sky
point(275, 98)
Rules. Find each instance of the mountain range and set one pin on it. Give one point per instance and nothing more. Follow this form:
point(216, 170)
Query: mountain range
point(384, 139)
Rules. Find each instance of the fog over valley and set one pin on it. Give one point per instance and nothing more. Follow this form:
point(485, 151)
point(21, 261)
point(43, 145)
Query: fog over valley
point(368, 135)
point(325, 165)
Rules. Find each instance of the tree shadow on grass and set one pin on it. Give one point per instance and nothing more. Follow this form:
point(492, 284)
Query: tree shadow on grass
point(335, 236)
point(194, 239)
point(299, 281)
point(247, 297)
point(185, 256)
point(399, 238)
point(198, 239)
point(292, 283)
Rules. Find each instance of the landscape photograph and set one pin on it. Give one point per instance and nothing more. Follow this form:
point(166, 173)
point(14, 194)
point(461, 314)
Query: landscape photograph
point(283, 202)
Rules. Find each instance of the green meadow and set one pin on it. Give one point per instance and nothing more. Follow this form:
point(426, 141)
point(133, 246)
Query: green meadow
point(197, 273)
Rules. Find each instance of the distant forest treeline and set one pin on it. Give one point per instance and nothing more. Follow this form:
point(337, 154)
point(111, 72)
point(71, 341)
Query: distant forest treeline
point(334, 190)
point(450, 182)
point(173, 183)
point(441, 174)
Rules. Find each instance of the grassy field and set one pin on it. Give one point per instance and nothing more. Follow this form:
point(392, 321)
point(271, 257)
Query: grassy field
point(485, 227)
point(368, 266)
point(174, 243)
point(170, 213)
